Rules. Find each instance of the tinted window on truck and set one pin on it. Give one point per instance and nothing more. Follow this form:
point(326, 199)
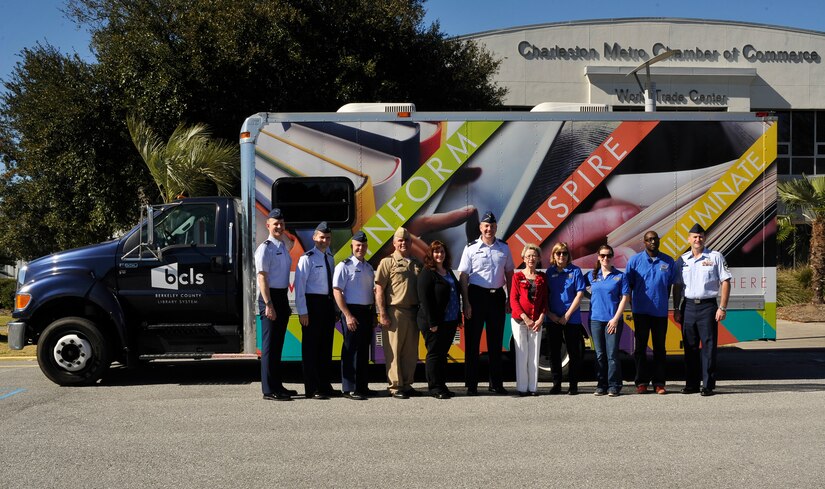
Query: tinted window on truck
point(183, 225)
point(306, 201)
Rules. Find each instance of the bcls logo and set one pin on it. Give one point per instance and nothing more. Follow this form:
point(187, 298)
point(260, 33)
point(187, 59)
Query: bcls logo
point(167, 277)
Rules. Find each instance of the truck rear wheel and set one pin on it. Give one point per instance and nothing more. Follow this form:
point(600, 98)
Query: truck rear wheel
point(73, 351)
point(545, 370)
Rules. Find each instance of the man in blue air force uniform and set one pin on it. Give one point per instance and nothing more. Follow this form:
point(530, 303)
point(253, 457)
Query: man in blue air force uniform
point(352, 286)
point(316, 311)
point(706, 280)
point(273, 264)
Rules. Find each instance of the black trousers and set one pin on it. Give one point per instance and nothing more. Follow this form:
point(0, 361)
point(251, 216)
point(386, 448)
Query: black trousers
point(355, 353)
point(438, 347)
point(646, 326)
point(488, 309)
point(572, 335)
point(272, 340)
point(699, 326)
point(316, 345)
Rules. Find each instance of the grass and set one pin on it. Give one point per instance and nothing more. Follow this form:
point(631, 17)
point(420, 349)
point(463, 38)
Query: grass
point(5, 352)
point(793, 286)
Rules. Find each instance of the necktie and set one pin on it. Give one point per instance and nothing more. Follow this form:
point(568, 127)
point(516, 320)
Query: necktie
point(329, 275)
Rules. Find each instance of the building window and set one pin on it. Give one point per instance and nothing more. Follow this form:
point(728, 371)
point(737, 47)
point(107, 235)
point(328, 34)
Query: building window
point(801, 142)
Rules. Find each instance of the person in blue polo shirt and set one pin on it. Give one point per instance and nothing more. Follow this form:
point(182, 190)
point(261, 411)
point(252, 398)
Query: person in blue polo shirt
point(566, 287)
point(650, 274)
point(609, 292)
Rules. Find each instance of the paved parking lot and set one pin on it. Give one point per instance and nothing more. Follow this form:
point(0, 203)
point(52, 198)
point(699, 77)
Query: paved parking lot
point(204, 424)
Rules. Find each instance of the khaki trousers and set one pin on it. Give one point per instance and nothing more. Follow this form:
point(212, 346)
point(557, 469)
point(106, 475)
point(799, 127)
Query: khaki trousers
point(401, 348)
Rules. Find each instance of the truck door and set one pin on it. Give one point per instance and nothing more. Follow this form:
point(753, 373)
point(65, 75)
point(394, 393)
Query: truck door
point(187, 281)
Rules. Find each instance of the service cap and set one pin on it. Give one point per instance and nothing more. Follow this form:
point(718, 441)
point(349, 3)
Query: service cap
point(360, 236)
point(323, 227)
point(697, 229)
point(401, 233)
point(275, 214)
point(489, 217)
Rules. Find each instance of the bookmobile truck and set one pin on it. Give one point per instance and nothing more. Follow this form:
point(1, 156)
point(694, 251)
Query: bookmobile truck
point(181, 284)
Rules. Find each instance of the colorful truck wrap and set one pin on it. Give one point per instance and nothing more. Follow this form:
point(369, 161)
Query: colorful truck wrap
point(582, 178)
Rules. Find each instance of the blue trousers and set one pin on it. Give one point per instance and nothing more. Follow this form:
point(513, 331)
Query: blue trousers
point(355, 353)
point(272, 340)
point(608, 366)
point(699, 328)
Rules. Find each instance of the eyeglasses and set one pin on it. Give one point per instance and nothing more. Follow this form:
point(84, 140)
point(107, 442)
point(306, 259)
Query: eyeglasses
point(561, 253)
point(606, 256)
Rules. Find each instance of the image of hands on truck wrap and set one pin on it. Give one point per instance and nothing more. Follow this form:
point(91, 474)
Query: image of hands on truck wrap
point(181, 284)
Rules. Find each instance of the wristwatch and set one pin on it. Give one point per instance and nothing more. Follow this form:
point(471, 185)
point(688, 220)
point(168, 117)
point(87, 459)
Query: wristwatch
point(724, 309)
point(269, 303)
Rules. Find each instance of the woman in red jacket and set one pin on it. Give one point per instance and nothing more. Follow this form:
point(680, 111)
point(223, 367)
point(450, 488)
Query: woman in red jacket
point(528, 302)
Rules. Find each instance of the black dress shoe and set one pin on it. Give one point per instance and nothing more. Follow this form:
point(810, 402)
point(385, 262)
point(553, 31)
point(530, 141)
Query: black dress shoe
point(288, 392)
point(534, 393)
point(497, 390)
point(332, 393)
point(400, 395)
point(706, 392)
point(689, 390)
point(449, 393)
point(556, 389)
point(412, 392)
point(276, 396)
point(318, 396)
point(472, 392)
point(367, 392)
point(354, 396)
point(441, 395)
point(572, 391)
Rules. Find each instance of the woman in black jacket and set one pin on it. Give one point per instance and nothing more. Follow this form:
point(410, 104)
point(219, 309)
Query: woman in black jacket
point(439, 295)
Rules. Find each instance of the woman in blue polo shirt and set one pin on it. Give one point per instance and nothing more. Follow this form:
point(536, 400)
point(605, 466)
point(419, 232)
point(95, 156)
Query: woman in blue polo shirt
point(566, 286)
point(609, 292)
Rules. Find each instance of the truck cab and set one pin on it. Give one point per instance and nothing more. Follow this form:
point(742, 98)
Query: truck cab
point(169, 293)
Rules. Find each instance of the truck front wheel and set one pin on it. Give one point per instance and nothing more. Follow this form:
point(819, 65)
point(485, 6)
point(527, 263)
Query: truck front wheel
point(73, 351)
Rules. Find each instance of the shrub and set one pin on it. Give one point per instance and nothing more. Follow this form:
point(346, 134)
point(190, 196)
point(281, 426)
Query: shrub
point(793, 286)
point(8, 286)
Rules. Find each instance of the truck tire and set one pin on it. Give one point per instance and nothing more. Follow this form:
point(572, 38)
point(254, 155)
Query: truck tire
point(73, 351)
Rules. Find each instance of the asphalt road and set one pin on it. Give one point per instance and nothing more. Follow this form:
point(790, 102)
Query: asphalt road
point(204, 425)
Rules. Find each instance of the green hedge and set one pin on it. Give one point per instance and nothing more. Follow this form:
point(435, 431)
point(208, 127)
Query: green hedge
point(8, 286)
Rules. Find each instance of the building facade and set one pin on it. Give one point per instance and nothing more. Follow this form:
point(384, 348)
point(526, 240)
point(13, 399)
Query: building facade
point(718, 66)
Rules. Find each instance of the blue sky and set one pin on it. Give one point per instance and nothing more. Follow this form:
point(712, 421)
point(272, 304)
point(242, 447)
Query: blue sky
point(25, 23)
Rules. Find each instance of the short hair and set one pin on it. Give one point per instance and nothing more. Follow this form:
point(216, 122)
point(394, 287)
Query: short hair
point(533, 247)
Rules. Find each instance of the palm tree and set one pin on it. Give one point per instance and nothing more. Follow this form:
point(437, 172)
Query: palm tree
point(808, 196)
point(190, 163)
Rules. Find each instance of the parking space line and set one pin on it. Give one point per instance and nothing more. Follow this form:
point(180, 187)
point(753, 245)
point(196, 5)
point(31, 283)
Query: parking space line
point(9, 394)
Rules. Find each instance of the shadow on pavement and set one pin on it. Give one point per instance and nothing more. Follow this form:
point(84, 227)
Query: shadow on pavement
point(733, 364)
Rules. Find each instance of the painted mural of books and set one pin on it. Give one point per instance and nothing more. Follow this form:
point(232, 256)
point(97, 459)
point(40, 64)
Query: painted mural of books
point(745, 217)
point(668, 193)
point(728, 232)
point(396, 138)
point(283, 150)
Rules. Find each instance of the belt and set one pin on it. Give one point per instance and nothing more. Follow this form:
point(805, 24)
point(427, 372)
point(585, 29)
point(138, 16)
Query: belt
point(702, 301)
point(492, 291)
point(325, 296)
